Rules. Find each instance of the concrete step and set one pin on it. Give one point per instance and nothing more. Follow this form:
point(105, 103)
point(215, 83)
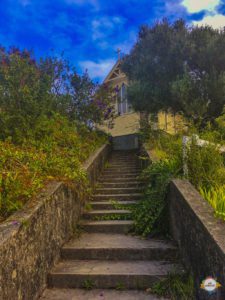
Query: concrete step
point(102, 246)
point(131, 196)
point(108, 204)
point(96, 294)
point(116, 190)
point(122, 172)
point(125, 167)
point(126, 164)
point(108, 274)
point(123, 162)
point(94, 214)
point(116, 226)
point(119, 177)
point(122, 184)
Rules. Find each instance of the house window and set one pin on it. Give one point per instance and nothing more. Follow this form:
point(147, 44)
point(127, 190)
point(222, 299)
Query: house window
point(123, 105)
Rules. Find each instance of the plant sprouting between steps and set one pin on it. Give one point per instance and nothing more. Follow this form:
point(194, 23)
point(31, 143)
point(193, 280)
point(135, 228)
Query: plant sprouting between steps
point(88, 206)
point(150, 213)
point(175, 286)
point(88, 284)
point(114, 217)
point(120, 286)
point(117, 205)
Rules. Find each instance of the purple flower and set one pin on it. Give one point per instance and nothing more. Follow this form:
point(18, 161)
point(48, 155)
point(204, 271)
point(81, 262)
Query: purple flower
point(117, 89)
point(15, 222)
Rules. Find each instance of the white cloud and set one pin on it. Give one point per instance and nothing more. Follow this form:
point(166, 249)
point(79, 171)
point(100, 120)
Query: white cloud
point(194, 6)
point(98, 69)
point(216, 21)
point(103, 26)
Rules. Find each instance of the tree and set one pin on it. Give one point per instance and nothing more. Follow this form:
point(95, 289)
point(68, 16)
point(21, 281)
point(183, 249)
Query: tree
point(31, 92)
point(179, 68)
point(152, 64)
point(90, 102)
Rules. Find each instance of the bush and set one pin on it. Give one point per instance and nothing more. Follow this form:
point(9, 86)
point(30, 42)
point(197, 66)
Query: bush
point(205, 166)
point(46, 116)
point(56, 153)
point(150, 214)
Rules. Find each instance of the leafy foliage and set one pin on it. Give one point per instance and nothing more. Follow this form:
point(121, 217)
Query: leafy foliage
point(32, 91)
point(47, 113)
point(206, 165)
point(176, 286)
point(176, 67)
point(149, 214)
point(216, 198)
point(57, 156)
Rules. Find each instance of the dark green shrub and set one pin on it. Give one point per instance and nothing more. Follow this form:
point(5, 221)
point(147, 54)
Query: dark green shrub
point(150, 214)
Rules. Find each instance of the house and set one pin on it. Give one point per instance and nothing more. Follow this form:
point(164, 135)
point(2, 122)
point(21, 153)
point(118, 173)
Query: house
point(127, 121)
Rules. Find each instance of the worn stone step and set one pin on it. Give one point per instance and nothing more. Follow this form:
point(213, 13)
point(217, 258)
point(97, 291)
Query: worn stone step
point(118, 177)
point(122, 184)
point(116, 190)
point(114, 179)
point(123, 168)
point(93, 214)
point(114, 226)
point(131, 196)
point(126, 164)
point(104, 246)
point(118, 163)
point(123, 162)
point(108, 274)
point(122, 172)
point(109, 205)
point(96, 294)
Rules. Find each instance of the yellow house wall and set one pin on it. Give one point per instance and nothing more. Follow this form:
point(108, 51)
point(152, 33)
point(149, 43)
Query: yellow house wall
point(170, 123)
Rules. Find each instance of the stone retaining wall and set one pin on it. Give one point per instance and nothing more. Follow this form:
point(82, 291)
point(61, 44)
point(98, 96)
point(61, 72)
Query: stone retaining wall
point(30, 240)
point(200, 236)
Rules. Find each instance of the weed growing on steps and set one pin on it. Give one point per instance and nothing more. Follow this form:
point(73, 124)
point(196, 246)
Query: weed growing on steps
point(150, 214)
point(89, 284)
point(98, 185)
point(175, 286)
point(120, 286)
point(117, 205)
point(88, 206)
point(114, 217)
point(107, 165)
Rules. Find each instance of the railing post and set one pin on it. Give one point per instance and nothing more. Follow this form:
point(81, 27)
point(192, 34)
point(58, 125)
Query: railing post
point(185, 142)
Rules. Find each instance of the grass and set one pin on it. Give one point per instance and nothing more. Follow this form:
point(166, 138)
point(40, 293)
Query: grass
point(216, 198)
point(88, 284)
point(176, 287)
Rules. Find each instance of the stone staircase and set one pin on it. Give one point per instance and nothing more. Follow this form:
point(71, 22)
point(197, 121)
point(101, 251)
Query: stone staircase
point(106, 259)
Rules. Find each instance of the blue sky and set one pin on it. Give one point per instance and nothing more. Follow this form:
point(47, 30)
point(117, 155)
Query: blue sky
point(90, 31)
